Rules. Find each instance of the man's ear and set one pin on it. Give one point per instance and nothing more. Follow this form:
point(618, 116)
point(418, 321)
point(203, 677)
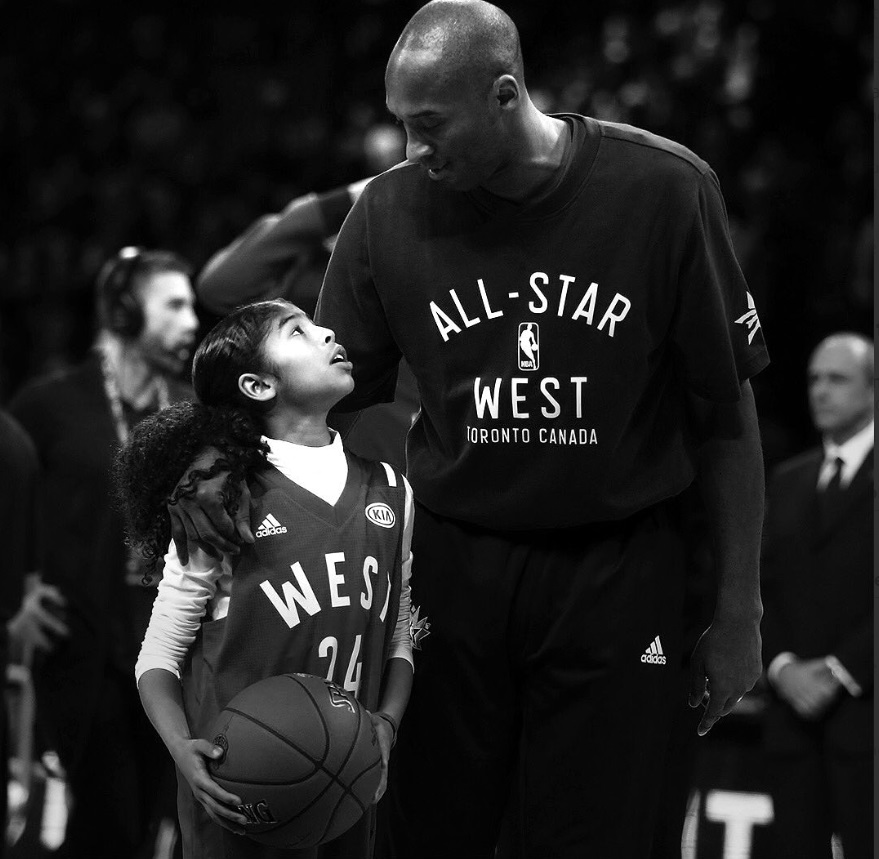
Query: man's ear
point(256, 387)
point(506, 91)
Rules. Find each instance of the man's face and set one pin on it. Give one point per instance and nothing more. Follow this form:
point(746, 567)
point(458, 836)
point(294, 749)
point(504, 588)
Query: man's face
point(840, 390)
point(453, 131)
point(170, 323)
point(312, 370)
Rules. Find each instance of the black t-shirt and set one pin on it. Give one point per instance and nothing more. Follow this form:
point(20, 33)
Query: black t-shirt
point(554, 342)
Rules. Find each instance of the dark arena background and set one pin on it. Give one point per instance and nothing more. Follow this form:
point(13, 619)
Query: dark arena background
point(176, 126)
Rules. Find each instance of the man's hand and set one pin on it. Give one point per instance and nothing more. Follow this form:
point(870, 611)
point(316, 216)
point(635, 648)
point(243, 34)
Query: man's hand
point(202, 519)
point(725, 664)
point(40, 621)
point(808, 686)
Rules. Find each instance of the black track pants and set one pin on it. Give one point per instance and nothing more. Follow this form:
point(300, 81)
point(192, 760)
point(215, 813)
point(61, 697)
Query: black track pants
point(546, 686)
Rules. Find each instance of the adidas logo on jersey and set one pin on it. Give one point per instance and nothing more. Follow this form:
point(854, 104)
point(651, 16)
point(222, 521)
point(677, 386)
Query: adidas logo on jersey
point(270, 526)
point(654, 655)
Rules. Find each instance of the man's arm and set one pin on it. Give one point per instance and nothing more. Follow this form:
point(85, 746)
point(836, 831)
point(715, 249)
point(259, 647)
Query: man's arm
point(726, 662)
point(40, 621)
point(265, 261)
point(810, 686)
point(855, 655)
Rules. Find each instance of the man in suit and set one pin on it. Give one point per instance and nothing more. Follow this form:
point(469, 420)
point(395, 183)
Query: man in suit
point(817, 625)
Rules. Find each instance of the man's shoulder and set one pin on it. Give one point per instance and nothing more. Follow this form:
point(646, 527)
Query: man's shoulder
point(397, 182)
point(48, 386)
point(637, 142)
point(15, 441)
point(797, 466)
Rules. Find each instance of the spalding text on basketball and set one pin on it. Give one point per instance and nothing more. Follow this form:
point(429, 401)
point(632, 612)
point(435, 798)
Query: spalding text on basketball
point(257, 812)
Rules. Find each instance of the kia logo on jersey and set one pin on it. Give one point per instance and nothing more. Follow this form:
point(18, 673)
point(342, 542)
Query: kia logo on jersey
point(529, 346)
point(381, 514)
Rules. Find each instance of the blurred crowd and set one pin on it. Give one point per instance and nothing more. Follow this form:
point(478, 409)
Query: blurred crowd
point(176, 129)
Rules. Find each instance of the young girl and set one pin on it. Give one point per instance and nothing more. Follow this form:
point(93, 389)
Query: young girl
point(324, 589)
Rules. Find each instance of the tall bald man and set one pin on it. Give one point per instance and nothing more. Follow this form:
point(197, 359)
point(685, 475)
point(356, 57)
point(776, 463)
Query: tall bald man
point(566, 295)
point(550, 552)
point(818, 626)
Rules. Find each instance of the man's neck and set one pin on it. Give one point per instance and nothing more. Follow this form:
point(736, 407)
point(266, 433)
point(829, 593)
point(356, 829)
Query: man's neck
point(537, 161)
point(135, 379)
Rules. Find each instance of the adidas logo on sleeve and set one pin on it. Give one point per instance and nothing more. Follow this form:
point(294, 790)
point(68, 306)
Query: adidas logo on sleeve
point(270, 526)
point(654, 655)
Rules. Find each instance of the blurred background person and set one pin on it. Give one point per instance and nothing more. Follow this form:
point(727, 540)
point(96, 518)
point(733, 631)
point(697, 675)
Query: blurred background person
point(285, 255)
point(818, 616)
point(18, 487)
point(119, 777)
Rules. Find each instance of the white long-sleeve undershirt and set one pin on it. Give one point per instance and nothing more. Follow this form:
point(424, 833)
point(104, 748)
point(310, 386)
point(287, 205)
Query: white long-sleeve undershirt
point(188, 592)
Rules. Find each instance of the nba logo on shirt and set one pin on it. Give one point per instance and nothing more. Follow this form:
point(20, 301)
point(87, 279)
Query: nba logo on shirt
point(529, 346)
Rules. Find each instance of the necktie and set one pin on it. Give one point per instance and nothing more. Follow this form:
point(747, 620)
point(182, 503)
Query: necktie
point(828, 498)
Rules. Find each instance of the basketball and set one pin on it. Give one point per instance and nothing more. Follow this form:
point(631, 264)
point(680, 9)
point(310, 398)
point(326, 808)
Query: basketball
point(303, 756)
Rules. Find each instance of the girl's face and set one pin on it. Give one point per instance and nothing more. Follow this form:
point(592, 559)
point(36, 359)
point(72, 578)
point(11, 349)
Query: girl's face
point(311, 370)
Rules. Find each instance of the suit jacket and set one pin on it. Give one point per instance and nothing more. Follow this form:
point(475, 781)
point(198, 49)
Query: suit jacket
point(80, 536)
point(817, 584)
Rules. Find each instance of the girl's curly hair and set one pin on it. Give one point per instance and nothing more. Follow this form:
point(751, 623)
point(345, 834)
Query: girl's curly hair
point(161, 448)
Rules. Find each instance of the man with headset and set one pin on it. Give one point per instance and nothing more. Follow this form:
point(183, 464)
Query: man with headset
point(87, 616)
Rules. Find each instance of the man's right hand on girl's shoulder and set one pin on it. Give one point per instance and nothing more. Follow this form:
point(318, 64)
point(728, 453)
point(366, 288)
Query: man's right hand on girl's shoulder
point(201, 518)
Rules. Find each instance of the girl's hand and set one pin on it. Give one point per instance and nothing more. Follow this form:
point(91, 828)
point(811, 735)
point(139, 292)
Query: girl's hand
point(220, 805)
point(386, 737)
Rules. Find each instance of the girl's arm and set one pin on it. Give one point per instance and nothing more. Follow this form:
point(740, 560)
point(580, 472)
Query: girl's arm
point(162, 700)
point(386, 720)
point(397, 680)
point(184, 594)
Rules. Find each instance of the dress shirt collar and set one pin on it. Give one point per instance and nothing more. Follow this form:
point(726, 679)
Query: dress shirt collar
point(852, 452)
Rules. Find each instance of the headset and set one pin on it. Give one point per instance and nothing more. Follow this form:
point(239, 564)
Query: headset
point(119, 310)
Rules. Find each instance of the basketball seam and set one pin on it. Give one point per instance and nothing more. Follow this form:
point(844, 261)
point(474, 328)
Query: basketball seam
point(347, 790)
point(269, 729)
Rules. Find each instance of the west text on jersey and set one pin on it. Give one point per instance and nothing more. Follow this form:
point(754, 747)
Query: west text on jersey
point(547, 295)
point(302, 595)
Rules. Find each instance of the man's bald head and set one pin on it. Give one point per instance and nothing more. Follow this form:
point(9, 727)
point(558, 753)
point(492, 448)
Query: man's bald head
point(841, 385)
point(461, 40)
point(857, 346)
